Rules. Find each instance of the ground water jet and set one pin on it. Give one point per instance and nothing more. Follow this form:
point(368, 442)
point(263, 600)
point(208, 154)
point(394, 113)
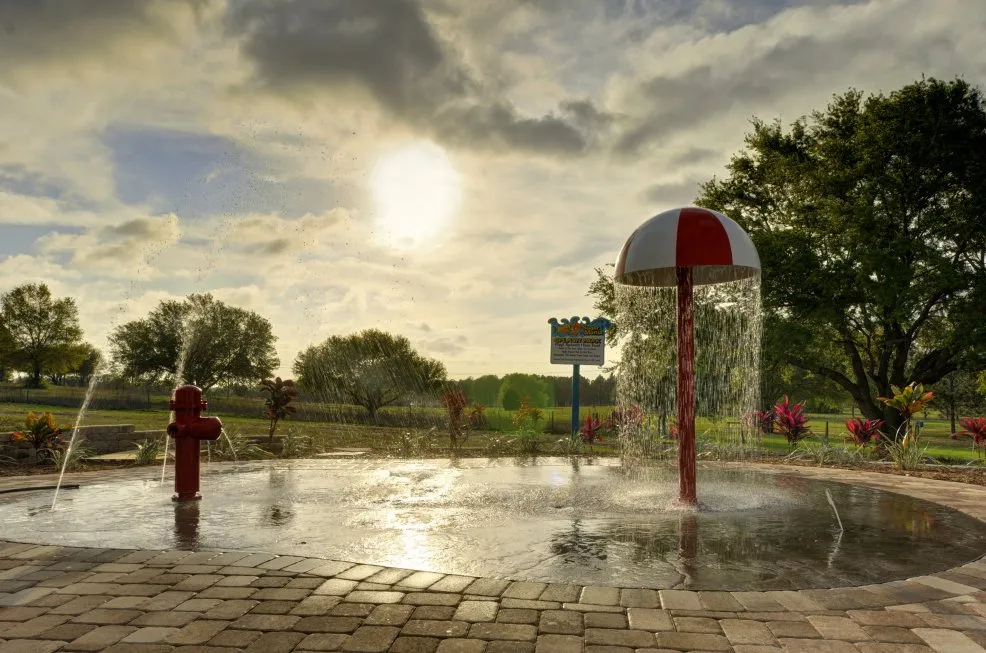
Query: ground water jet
point(180, 363)
point(684, 248)
point(75, 431)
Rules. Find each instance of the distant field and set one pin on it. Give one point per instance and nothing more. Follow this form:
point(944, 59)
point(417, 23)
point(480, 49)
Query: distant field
point(343, 433)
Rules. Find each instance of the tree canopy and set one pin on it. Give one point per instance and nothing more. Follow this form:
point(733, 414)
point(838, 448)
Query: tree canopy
point(198, 340)
point(40, 332)
point(869, 220)
point(8, 351)
point(526, 386)
point(370, 368)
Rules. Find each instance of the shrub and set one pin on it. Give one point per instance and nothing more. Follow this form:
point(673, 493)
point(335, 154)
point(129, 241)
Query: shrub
point(147, 452)
point(791, 421)
point(765, 420)
point(235, 446)
point(864, 432)
point(297, 445)
point(43, 434)
point(571, 445)
point(511, 400)
point(974, 428)
point(455, 403)
point(907, 454)
point(625, 418)
point(527, 416)
point(280, 394)
point(410, 443)
point(908, 400)
point(530, 443)
point(592, 430)
point(73, 457)
point(497, 445)
point(476, 416)
point(824, 452)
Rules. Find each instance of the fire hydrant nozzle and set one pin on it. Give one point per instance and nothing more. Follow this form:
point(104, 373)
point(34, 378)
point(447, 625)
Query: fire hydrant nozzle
point(188, 429)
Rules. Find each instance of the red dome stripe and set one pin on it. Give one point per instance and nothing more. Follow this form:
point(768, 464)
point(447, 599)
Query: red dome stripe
point(702, 239)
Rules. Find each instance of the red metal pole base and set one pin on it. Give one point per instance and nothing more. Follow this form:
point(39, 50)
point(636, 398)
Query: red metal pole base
point(686, 390)
point(186, 470)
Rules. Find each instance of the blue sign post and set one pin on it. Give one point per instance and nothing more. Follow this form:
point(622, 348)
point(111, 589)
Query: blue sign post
point(578, 341)
point(576, 386)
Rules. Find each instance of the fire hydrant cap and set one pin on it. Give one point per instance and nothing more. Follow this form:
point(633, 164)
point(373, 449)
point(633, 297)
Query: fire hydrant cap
point(187, 397)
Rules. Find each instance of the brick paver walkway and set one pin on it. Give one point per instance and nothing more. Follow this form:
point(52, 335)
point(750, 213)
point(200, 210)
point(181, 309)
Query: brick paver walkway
point(84, 599)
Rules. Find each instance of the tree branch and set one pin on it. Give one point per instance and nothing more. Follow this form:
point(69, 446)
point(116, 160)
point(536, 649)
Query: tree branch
point(926, 312)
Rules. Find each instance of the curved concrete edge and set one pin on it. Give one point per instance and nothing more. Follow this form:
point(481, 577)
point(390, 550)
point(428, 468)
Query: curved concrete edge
point(89, 599)
point(961, 581)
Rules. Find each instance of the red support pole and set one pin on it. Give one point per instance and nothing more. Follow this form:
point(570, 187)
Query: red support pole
point(686, 389)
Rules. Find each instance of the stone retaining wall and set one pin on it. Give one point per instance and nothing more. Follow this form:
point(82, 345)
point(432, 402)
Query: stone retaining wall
point(108, 438)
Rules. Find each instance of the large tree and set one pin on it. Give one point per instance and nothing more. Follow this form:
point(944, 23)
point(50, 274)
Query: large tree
point(869, 220)
point(8, 351)
point(370, 368)
point(43, 329)
point(198, 340)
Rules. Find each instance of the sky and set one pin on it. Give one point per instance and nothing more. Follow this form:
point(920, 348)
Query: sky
point(450, 170)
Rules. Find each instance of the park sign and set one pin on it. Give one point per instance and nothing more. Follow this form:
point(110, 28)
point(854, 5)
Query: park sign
point(578, 341)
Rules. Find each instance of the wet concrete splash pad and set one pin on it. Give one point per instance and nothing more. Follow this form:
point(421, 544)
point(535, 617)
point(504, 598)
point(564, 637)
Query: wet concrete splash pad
point(552, 521)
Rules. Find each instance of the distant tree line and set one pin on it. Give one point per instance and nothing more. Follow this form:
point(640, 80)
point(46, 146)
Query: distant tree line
point(204, 341)
point(542, 391)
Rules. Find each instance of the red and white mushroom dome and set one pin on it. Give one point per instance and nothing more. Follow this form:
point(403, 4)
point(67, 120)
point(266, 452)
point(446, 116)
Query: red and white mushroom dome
point(714, 246)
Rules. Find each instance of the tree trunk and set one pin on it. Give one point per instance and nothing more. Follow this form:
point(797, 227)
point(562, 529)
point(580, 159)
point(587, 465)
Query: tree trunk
point(36, 375)
point(892, 421)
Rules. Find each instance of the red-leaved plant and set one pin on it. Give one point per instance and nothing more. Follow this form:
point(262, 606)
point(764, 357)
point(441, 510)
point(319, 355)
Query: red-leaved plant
point(624, 417)
point(863, 431)
point(592, 430)
point(765, 420)
point(476, 417)
point(973, 427)
point(791, 421)
point(455, 402)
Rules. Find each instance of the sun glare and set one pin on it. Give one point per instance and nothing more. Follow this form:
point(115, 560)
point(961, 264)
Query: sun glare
point(417, 191)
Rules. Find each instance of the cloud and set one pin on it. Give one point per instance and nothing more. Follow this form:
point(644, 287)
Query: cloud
point(144, 229)
point(805, 53)
point(123, 249)
point(308, 50)
point(449, 346)
point(258, 124)
point(671, 194)
point(46, 34)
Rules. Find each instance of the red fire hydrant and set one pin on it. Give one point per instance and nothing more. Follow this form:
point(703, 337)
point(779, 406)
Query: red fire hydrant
point(188, 429)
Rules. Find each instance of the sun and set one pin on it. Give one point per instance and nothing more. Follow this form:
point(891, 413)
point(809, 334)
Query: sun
point(417, 191)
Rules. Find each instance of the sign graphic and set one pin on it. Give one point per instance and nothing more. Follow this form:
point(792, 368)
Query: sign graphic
point(578, 341)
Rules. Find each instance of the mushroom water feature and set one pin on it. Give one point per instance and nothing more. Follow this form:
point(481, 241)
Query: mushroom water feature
point(684, 248)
